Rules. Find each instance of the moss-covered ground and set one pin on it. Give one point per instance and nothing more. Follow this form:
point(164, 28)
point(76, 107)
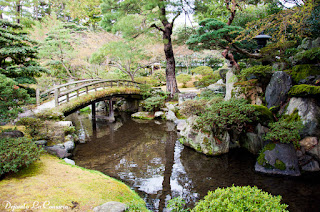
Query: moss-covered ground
point(53, 183)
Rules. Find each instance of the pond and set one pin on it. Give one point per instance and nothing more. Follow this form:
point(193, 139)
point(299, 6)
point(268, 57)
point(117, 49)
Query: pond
point(147, 156)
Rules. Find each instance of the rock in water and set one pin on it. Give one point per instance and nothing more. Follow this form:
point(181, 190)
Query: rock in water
point(282, 159)
point(277, 89)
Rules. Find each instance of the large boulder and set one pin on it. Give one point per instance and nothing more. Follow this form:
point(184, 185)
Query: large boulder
point(253, 141)
point(57, 150)
point(142, 115)
point(277, 89)
point(309, 112)
point(186, 96)
point(254, 94)
point(12, 134)
point(171, 116)
point(204, 142)
point(278, 159)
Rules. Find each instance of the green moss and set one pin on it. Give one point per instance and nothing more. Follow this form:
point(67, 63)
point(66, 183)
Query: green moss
point(304, 90)
point(259, 71)
point(280, 165)
point(300, 72)
point(265, 114)
point(261, 158)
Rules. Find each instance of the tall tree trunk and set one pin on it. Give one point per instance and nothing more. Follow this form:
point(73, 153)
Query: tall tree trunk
point(172, 86)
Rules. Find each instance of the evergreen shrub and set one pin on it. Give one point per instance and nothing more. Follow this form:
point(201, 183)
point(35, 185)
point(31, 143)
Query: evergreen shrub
point(239, 198)
point(17, 153)
point(193, 107)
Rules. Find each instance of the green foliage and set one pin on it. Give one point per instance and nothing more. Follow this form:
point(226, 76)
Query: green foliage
point(227, 115)
point(33, 126)
point(300, 72)
point(265, 115)
point(154, 103)
point(147, 80)
point(280, 165)
point(184, 78)
point(211, 95)
point(16, 154)
point(182, 34)
point(11, 98)
point(239, 198)
point(259, 71)
point(193, 107)
point(17, 54)
point(177, 205)
point(285, 131)
point(309, 56)
point(202, 70)
point(160, 76)
point(211, 35)
point(304, 90)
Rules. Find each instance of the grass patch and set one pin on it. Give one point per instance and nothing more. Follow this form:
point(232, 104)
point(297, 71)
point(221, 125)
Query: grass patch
point(51, 179)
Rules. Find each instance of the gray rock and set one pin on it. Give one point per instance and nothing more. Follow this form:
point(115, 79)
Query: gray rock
point(142, 115)
point(69, 161)
point(309, 112)
point(305, 44)
point(231, 78)
point(64, 123)
point(41, 142)
point(69, 146)
point(218, 87)
point(172, 107)
point(186, 96)
point(314, 151)
point(159, 114)
point(111, 207)
point(12, 134)
point(58, 151)
point(181, 125)
point(316, 43)
point(171, 116)
point(27, 113)
point(253, 143)
point(282, 153)
point(277, 89)
point(312, 166)
point(206, 143)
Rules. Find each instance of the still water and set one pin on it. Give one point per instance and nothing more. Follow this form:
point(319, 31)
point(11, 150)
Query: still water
point(147, 156)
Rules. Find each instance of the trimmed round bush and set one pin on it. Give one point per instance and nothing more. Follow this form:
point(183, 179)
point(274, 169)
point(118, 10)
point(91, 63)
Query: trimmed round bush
point(17, 153)
point(239, 198)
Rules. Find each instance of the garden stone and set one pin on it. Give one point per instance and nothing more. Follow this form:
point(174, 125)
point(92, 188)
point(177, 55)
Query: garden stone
point(186, 96)
point(64, 123)
point(159, 114)
point(58, 151)
point(308, 143)
point(181, 125)
point(231, 78)
point(309, 112)
point(69, 146)
point(316, 43)
point(142, 115)
point(312, 166)
point(284, 154)
point(206, 143)
point(111, 207)
point(315, 151)
point(69, 161)
point(170, 116)
point(305, 44)
point(12, 134)
point(277, 89)
point(41, 142)
point(253, 143)
point(171, 107)
point(218, 87)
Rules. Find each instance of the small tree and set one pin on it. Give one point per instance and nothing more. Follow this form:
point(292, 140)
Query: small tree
point(184, 78)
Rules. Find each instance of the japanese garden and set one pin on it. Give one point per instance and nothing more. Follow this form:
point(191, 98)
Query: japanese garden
point(159, 105)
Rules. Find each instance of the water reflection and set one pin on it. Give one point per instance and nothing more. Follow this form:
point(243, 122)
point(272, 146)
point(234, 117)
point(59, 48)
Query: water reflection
point(147, 156)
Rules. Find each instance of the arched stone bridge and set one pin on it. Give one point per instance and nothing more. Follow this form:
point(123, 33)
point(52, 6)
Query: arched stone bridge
point(73, 96)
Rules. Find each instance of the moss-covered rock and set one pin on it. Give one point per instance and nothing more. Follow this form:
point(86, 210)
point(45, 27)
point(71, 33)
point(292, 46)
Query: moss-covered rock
point(143, 115)
point(265, 115)
point(304, 90)
point(300, 72)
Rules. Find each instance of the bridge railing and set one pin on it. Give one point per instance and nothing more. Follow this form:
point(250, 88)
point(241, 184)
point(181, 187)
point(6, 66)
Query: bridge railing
point(63, 93)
